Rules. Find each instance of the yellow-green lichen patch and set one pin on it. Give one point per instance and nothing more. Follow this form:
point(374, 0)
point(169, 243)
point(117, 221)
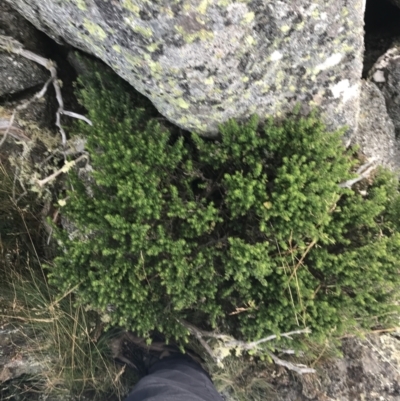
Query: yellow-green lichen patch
point(265, 88)
point(245, 79)
point(248, 17)
point(224, 3)
point(315, 14)
point(250, 40)
point(81, 5)
point(142, 30)
point(177, 92)
point(202, 8)
point(154, 66)
point(153, 47)
point(187, 7)
point(202, 34)
point(94, 29)
point(117, 48)
point(183, 120)
point(134, 61)
point(347, 48)
point(90, 42)
point(167, 12)
point(280, 76)
point(285, 28)
point(182, 103)
point(209, 81)
point(131, 6)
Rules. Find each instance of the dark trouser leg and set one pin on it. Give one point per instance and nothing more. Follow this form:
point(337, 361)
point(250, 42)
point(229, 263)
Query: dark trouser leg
point(175, 378)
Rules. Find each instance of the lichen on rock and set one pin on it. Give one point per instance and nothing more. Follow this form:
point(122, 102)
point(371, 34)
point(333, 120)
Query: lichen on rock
point(202, 62)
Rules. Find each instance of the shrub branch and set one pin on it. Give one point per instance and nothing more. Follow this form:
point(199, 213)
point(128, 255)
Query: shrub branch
point(230, 343)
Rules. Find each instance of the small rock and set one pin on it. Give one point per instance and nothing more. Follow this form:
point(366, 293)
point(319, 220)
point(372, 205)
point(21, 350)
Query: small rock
point(386, 75)
point(376, 131)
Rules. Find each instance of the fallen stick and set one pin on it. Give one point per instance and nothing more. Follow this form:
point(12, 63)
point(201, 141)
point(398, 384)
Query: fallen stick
point(11, 45)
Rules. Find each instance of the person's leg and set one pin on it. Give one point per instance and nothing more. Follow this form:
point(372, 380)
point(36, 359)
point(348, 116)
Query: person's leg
point(175, 378)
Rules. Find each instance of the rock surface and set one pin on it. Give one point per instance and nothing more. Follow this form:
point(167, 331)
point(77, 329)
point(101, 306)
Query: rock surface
point(202, 62)
point(368, 371)
point(396, 2)
point(376, 133)
point(15, 356)
point(386, 75)
point(17, 73)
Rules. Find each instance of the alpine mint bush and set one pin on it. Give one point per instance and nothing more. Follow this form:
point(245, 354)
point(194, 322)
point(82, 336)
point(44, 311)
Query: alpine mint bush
point(249, 232)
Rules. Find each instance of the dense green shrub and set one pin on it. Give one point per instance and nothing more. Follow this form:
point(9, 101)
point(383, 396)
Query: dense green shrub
point(250, 232)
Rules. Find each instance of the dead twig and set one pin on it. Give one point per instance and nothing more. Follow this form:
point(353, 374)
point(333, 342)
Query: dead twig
point(230, 343)
point(300, 369)
point(363, 172)
point(11, 122)
point(13, 46)
point(64, 169)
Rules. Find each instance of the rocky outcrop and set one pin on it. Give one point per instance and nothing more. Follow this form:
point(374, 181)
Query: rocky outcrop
point(396, 2)
point(16, 358)
point(17, 73)
point(369, 370)
point(376, 132)
point(386, 75)
point(202, 62)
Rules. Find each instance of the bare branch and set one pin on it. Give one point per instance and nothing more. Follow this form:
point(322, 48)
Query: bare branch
point(300, 369)
point(78, 116)
point(13, 46)
point(230, 343)
point(254, 344)
point(199, 336)
point(363, 172)
point(8, 128)
point(67, 166)
point(203, 333)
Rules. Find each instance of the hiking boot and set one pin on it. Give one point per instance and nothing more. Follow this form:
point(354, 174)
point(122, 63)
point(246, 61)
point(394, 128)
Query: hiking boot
point(134, 352)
